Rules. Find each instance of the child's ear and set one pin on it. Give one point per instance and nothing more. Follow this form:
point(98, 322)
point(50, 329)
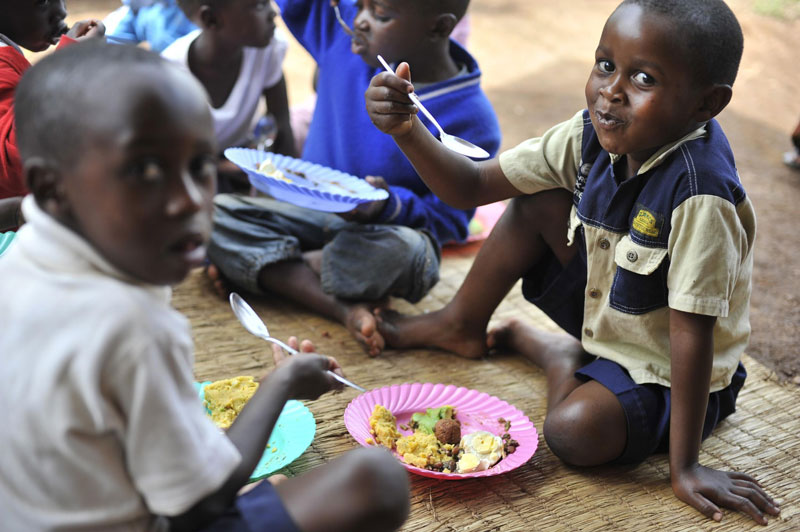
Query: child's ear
point(444, 24)
point(45, 182)
point(714, 100)
point(208, 17)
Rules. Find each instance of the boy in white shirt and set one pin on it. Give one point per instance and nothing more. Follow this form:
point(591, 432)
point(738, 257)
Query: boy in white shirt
point(101, 426)
point(238, 57)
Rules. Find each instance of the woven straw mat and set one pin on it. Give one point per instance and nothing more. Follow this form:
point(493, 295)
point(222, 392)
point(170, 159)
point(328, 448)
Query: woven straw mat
point(760, 438)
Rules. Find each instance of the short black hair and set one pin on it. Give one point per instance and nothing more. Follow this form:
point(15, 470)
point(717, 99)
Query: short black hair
point(57, 94)
point(191, 7)
point(708, 32)
point(456, 7)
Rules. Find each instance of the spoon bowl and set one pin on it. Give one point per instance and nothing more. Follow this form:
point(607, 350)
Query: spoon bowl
point(256, 326)
point(456, 144)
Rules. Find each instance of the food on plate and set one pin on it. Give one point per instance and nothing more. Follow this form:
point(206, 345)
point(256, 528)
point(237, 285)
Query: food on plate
point(480, 451)
point(448, 431)
point(383, 426)
point(224, 399)
point(437, 443)
point(426, 421)
point(270, 170)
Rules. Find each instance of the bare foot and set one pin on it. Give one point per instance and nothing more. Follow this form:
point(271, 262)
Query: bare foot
point(217, 281)
point(436, 329)
point(362, 324)
point(549, 351)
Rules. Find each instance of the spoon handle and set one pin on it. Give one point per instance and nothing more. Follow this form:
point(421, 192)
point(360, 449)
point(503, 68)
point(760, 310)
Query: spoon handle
point(342, 23)
point(415, 99)
point(293, 351)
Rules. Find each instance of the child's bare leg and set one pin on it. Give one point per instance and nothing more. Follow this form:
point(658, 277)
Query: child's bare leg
point(558, 354)
point(527, 228)
point(585, 423)
point(297, 281)
point(364, 490)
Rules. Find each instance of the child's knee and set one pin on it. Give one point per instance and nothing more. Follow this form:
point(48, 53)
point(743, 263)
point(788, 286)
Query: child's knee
point(586, 431)
point(567, 435)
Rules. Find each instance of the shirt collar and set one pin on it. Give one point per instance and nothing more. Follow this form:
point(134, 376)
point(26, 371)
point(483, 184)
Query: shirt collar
point(665, 151)
point(5, 41)
point(53, 246)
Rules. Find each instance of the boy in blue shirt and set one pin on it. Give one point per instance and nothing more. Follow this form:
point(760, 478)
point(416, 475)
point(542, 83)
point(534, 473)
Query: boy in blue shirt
point(635, 236)
point(343, 266)
point(103, 429)
point(157, 22)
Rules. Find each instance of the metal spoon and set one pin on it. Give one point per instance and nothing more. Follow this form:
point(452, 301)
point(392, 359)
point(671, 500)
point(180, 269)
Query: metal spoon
point(256, 326)
point(342, 23)
point(452, 142)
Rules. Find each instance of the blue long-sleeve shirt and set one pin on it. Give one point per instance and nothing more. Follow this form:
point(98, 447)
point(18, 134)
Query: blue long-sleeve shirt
point(157, 22)
point(341, 135)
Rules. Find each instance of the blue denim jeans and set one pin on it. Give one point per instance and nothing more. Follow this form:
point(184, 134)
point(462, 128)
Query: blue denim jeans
point(364, 262)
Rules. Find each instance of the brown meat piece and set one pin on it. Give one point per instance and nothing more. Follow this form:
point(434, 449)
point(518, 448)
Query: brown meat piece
point(448, 431)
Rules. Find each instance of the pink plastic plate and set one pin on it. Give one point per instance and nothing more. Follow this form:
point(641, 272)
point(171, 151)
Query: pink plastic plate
point(475, 410)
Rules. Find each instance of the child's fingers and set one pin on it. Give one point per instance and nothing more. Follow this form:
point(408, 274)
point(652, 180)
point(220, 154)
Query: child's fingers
point(377, 182)
point(746, 486)
point(334, 365)
point(745, 481)
point(403, 71)
point(393, 82)
point(757, 497)
point(306, 346)
point(743, 504)
point(278, 354)
point(705, 507)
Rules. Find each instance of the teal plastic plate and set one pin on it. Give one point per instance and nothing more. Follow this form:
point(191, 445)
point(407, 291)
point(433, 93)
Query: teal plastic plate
point(292, 435)
point(5, 240)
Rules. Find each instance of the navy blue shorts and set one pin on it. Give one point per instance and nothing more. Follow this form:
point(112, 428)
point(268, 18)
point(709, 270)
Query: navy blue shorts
point(257, 510)
point(647, 407)
point(559, 292)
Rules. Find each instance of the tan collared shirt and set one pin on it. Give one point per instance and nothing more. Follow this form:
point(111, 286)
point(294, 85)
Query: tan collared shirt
point(709, 249)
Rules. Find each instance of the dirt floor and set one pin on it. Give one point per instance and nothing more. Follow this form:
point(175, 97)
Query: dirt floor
point(536, 56)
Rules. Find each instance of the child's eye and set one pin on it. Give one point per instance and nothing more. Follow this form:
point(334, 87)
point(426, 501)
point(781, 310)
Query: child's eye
point(147, 171)
point(204, 168)
point(605, 66)
point(644, 79)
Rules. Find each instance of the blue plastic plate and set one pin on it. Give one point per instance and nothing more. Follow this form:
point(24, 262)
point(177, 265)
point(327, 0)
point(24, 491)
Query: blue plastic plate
point(292, 435)
point(312, 185)
point(5, 240)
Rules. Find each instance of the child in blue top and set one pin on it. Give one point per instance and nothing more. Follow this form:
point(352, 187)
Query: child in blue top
point(343, 266)
point(156, 22)
point(635, 236)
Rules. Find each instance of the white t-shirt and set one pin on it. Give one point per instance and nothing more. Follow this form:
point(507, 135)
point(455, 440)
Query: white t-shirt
point(261, 69)
point(100, 425)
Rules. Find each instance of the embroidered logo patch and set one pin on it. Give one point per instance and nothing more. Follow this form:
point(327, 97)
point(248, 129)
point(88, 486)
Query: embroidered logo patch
point(647, 222)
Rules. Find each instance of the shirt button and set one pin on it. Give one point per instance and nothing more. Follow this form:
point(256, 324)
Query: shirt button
point(632, 256)
point(594, 293)
point(588, 332)
point(604, 243)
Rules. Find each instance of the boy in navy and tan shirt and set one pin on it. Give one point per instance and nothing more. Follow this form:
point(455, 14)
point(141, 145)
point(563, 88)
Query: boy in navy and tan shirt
point(631, 230)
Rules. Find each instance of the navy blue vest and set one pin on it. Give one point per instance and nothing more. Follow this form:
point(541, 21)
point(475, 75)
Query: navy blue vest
point(642, 205)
